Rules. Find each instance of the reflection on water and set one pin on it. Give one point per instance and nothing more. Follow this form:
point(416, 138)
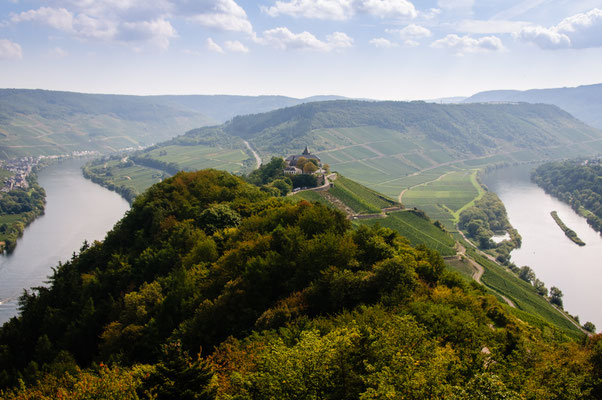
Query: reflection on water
point(76, 210)
point(556, 260)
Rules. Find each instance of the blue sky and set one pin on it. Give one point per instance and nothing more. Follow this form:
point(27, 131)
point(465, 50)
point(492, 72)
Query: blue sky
point(381, 49)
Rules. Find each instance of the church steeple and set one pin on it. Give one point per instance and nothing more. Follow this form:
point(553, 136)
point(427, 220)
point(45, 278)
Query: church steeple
point(306, 151)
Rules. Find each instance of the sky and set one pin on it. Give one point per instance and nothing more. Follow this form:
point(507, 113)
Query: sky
point(378, 49)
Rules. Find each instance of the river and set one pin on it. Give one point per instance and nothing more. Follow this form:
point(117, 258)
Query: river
point(556, 260)
point(76, 209)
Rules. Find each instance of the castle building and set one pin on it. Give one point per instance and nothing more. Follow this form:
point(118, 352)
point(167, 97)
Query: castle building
point(292, 160)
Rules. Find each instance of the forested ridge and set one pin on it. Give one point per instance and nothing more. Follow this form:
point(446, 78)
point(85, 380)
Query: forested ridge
point(472, 129)
point(576, 183)
point(280, 300)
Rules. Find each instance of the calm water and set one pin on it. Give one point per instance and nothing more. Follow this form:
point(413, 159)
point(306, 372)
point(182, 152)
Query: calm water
point(556, 260)
point(76, 209)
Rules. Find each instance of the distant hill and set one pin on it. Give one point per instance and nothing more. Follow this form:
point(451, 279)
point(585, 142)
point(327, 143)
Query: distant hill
point(583, 102)
point(387, 146)
point(224, 107)
point(42, 122)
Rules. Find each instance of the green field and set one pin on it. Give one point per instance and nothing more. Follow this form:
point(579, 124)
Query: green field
point(128, 175)
point(444, 198)
point(417, 229)
point(196, 157)
point(358, 197)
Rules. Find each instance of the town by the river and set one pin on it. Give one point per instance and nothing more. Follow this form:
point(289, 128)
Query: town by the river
point(556, 260)
point(76, 210)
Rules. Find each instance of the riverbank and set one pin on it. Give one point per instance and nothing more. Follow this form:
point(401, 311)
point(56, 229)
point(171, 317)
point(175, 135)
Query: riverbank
point(19, 208)
point(76, 210)
point(567, 231)
point(544, 248)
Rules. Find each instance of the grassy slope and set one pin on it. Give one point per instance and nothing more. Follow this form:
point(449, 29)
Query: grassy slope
point(358, 197)
point(418, 230)
point(522, 294)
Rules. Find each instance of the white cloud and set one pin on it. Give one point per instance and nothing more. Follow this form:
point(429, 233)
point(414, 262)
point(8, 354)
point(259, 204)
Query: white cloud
point(386, 8)
point(456, 4)
point(383, 43)
point(411, 43)
point(57, 18)
point(135, 21)
point(96, 21)
point(10, 50)
point(282, 38)
point(544, 37)
point(430, 13)
point(236, 46)
point(225, 15)
point(579, 31)
point(158, 31)
point(342, 9)
point(211, 45)
point(481, 27)
point(321, 9)
point(411, 31)
point(467, 44)
point(57, 52)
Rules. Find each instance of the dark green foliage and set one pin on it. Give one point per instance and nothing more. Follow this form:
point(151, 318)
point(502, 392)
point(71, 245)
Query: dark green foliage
point(577, 184)
point(590, 327)
point(488, 215)
point(178, 377)
point(285, 301)
point(556, 296)
point(24, 206)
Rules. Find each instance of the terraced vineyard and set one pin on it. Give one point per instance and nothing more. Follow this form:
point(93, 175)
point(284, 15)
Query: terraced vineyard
point(358, 197)
point(418, 230)
point(444, 198)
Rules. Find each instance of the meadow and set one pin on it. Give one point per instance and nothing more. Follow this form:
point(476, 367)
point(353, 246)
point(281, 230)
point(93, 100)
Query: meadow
point(191, 158)
point(417, 229)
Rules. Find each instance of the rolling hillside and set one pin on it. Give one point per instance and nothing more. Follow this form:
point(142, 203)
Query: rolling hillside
point(388, 146)
point(584, 102)
point(42, 122)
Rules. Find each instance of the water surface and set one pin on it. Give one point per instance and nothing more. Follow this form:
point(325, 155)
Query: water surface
point(556, 260)
point(76, 209)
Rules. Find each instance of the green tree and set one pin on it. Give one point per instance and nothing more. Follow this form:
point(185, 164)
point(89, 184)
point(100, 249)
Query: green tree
point(178, 377)
point(556, 296)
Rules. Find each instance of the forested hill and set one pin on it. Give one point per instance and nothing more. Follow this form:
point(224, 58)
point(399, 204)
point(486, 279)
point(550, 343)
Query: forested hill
point(472, 129)
point(584, 102)
point(577, 183)
point(283, 300)
point(43, 122)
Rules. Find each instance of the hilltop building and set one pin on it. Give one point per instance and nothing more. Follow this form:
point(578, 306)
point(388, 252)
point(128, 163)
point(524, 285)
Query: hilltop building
point(292, 160)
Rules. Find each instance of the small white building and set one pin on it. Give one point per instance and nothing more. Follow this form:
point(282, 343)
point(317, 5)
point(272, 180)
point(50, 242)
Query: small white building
point(292, 171)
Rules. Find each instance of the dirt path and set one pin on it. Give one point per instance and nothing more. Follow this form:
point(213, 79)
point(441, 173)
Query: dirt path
point(257, 158)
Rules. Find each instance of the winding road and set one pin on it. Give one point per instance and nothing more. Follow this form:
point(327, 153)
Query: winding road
point(257, 158)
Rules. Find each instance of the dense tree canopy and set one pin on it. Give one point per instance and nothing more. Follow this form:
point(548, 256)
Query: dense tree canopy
point(279, 300)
